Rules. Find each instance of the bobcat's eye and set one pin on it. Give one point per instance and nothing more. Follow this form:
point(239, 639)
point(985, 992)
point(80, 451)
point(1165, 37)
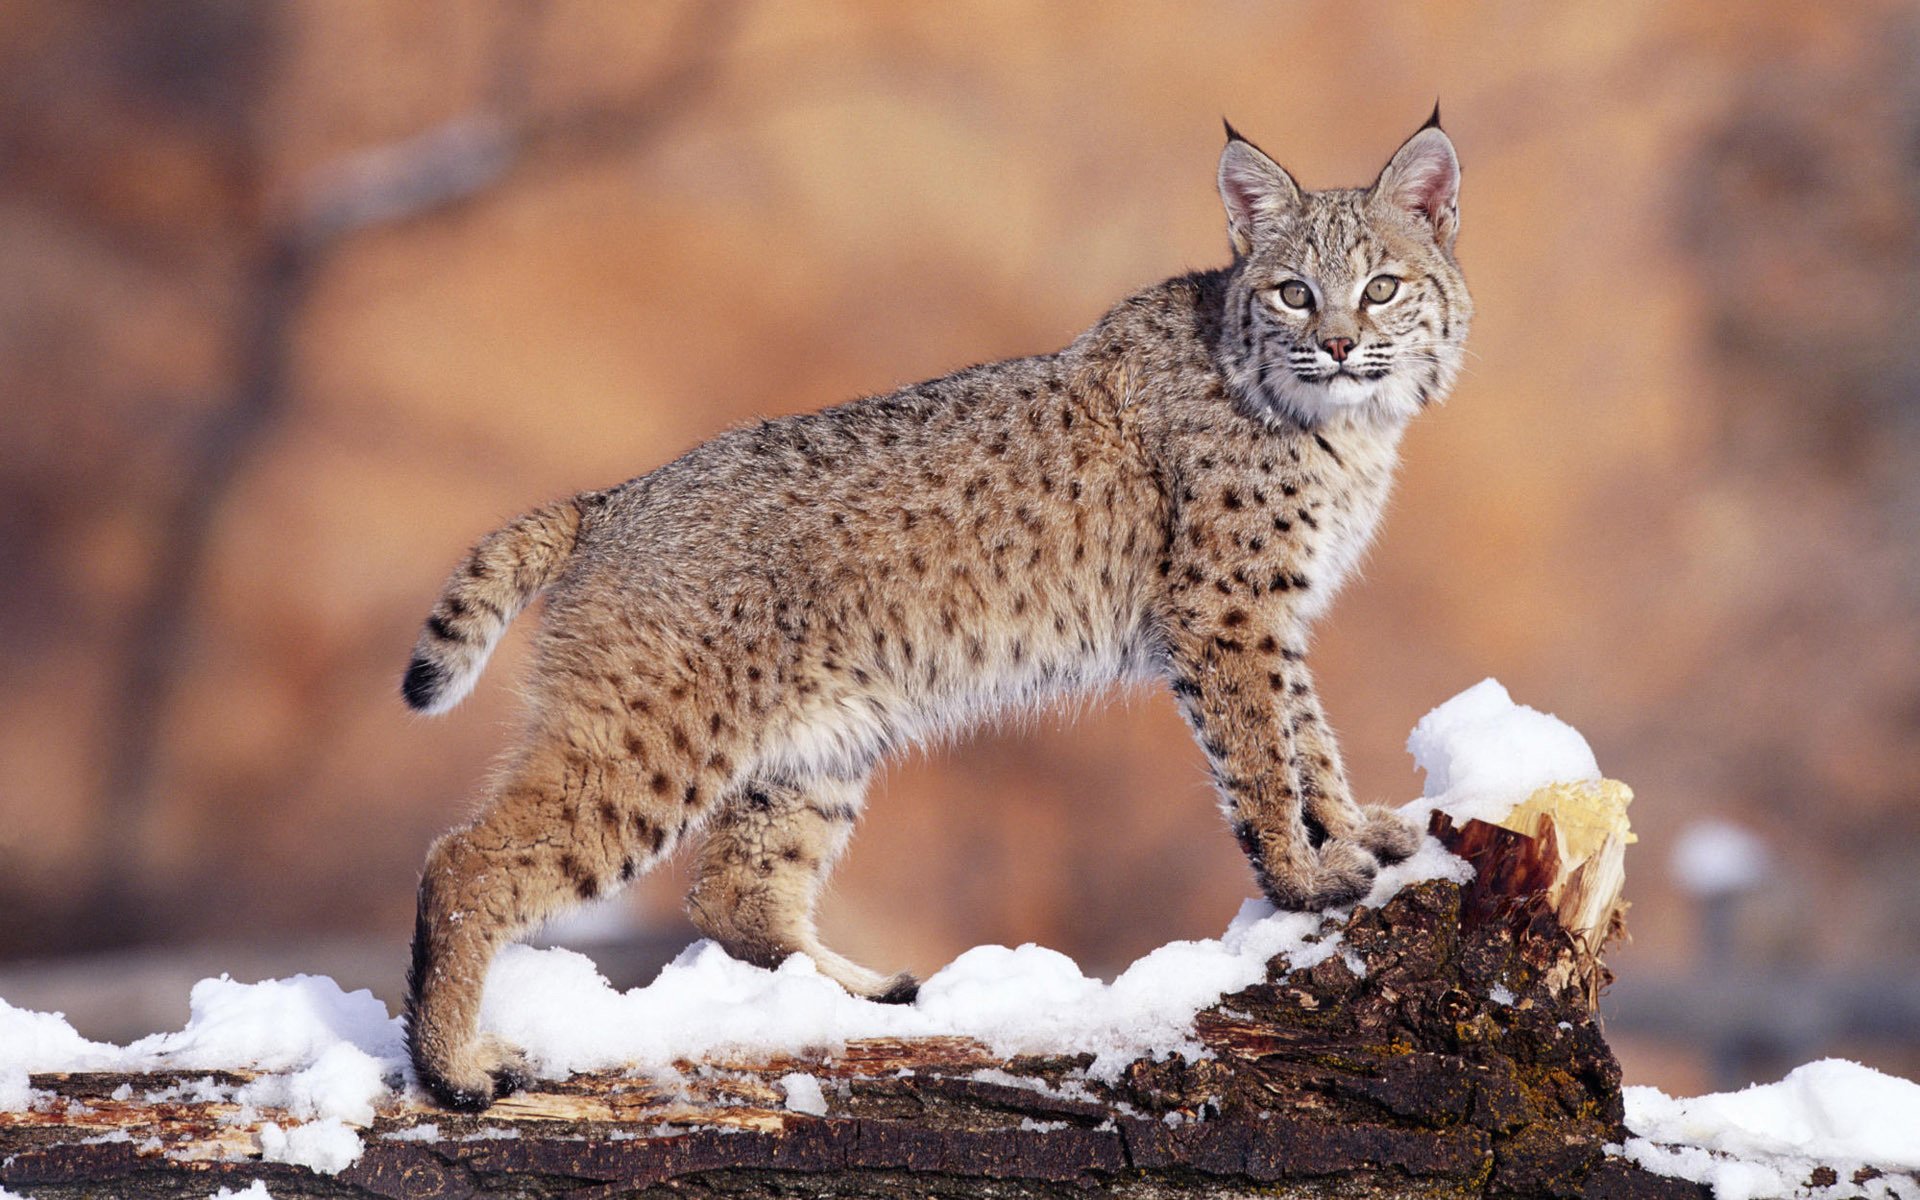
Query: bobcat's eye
point(1381, 288)
point(1295, 294)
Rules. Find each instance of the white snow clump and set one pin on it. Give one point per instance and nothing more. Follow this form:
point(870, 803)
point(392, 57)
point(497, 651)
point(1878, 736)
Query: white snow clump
point(803, 1094)
point(1483, 754)
point(328, 1053)
point(1832, 1111)
point(328, 1146)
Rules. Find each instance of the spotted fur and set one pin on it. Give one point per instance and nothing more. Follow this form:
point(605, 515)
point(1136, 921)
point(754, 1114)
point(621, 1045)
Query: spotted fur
point(732, 642)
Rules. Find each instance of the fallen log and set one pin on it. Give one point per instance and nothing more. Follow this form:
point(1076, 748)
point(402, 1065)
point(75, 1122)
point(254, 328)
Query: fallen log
point(1450, 1048)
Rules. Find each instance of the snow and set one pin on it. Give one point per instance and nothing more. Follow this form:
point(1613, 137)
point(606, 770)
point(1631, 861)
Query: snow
point(1767, 1139)
point(1483, 753)
point(1718, 858)
point(557, 1008)
point(329, 1057)
point(28, 1039)
point(1730, 1179)
point(16, 1092)
point(343, 1083)
point(491, 1133)
point(327, 1146)
point(327, 1052)
point(803, 1094)
point(278, 1025)
point(255, 1191)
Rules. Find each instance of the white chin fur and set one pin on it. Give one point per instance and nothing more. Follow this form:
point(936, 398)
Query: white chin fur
point(1394, 398)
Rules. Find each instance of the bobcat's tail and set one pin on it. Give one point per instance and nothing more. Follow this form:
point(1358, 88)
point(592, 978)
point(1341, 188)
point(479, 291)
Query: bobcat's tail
point(505, 571)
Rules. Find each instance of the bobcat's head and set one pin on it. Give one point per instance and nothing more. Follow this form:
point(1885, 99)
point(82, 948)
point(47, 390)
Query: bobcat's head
point(1346, 302)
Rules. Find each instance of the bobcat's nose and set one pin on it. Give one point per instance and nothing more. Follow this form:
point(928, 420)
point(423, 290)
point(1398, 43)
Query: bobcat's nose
point(1339, 348)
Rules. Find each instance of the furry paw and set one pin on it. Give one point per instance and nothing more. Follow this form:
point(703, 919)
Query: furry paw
point(1338, 874)
point(1387, 835)
point(512, 1073)
point(487, 1071)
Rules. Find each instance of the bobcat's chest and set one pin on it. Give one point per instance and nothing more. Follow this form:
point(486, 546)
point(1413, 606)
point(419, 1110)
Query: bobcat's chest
point(1288, 515)
point(1350, 475)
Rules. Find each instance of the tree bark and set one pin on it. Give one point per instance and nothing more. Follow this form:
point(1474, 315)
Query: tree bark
point(1450, 1049)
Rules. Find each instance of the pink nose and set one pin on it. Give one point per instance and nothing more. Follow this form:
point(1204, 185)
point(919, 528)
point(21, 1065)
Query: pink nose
point(1338, 347)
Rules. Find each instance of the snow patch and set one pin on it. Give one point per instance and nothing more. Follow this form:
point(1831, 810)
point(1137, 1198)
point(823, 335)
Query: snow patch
point(277, 1025)
point(254, 1191)
point(1834, 1111)
point(803, 1094)
point(426, 1131)
point(327, 1146)
point(1483, 754)
point(555, 1005)
point(30, 1041)
point(1730, 1179)
point(343, 1084)
point(491, 1133)
point(16, 1090)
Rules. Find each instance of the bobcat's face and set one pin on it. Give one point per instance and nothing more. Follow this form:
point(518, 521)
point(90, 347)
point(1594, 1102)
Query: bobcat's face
point(1345, 301)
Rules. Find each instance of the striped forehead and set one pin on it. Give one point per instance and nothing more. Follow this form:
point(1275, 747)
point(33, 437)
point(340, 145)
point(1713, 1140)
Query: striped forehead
point(1330, 239)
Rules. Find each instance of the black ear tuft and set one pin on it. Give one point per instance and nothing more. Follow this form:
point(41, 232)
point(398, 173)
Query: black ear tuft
point(1433, 122)
point(1233, 135)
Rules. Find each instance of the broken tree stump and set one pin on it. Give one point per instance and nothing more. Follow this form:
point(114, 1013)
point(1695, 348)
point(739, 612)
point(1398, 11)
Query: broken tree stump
point(1449, 1049)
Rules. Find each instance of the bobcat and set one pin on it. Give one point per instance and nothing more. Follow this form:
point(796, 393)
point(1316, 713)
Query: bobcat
point(733, 641)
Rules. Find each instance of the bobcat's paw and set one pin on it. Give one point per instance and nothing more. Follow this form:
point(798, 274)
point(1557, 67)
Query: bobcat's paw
point(1387, 835)
point(1334, 876)
point(471, 1081)
point(511, 1071)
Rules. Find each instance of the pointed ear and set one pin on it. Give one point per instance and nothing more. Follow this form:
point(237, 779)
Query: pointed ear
point(1423, 180)
point(1255, 189)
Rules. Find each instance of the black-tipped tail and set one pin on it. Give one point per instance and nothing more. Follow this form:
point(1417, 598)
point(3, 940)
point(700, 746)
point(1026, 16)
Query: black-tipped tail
point(422, 685)
point(904, 989)
point(496, 581)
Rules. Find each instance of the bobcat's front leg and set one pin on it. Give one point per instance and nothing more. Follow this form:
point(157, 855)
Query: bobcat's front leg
point(1250, 701)
point(1326, 800)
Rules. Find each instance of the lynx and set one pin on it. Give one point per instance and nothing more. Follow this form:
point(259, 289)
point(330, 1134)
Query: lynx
point(733, 641)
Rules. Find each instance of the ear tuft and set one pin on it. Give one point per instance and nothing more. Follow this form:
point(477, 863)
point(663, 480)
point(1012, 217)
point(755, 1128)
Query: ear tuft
point(1423, 181)
point(1433, 122)
point(1256, 190)
point(1233, 135)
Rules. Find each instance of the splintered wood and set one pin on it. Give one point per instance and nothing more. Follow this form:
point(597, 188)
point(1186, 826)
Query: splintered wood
point(1564, 850)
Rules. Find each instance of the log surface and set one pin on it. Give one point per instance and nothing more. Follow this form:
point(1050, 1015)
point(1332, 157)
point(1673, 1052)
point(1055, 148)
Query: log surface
point(1446, 1048)
point(1442, 1052)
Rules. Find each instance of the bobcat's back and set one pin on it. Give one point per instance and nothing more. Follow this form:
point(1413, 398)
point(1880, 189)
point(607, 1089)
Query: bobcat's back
point(879, 572)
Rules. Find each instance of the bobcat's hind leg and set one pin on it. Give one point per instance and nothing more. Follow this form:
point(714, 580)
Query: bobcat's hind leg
point(560, 829)
point(768, 852)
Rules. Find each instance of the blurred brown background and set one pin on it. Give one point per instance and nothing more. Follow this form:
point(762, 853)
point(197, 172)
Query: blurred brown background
point(296, 300)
